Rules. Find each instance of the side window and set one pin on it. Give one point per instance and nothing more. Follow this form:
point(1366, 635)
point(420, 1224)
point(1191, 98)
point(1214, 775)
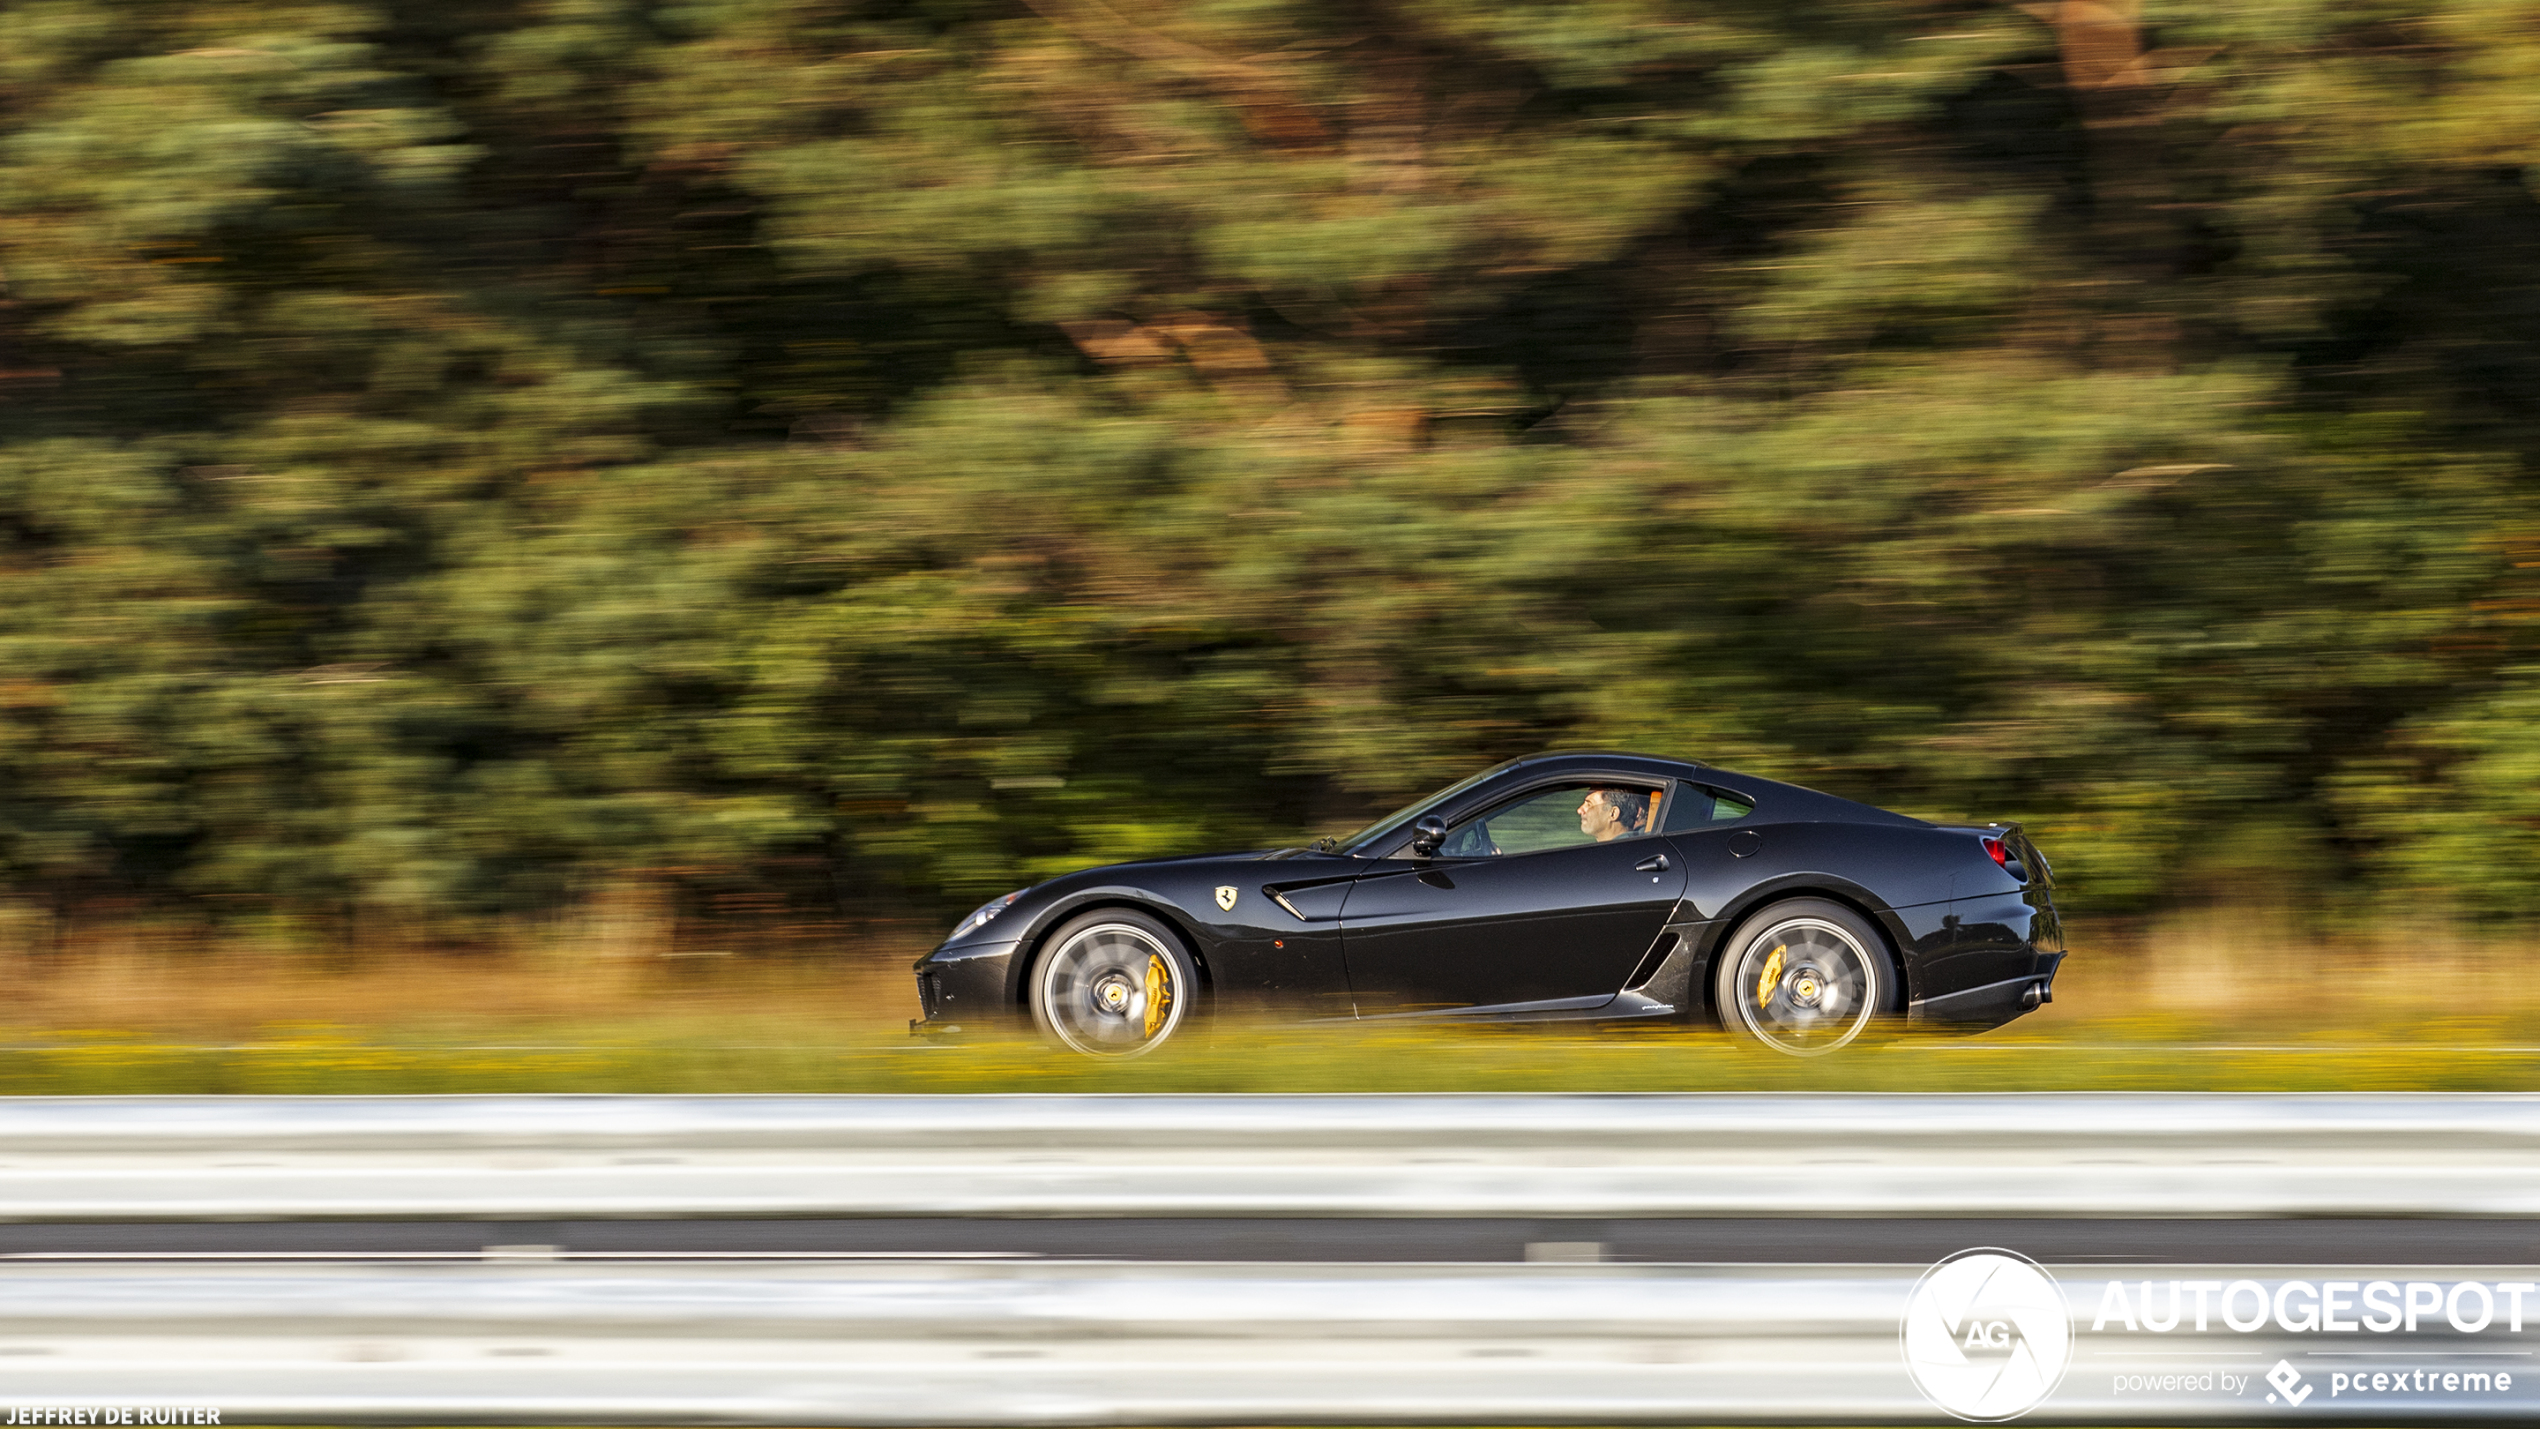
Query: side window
point(1568, 816)
point(1693, 807)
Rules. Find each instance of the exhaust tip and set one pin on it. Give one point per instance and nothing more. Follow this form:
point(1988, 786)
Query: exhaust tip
point(2031, 996)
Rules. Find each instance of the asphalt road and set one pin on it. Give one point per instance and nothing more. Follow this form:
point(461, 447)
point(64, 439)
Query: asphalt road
point(1751, 1241)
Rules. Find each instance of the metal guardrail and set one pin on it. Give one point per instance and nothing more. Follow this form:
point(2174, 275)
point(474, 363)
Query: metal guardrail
point(1586, 1156)
point(517, 1338)
point(1098, 1345)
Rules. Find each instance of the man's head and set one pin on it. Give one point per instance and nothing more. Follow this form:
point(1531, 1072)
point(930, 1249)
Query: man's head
point(1607, 814)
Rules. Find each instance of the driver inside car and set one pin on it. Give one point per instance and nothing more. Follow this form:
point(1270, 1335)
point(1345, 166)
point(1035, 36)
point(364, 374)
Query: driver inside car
point(1598, 814)
point(1609, 814)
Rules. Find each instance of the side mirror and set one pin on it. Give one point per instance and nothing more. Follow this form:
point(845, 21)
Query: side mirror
point(1426, 835)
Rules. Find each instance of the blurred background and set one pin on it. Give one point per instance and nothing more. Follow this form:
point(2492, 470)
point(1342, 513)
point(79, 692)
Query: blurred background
point(595, 479)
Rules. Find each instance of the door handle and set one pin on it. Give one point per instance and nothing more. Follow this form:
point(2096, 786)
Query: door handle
point(1655, 863)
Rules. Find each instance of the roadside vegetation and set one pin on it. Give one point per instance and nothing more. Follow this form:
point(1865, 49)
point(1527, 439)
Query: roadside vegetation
point(2202, 1005)
point(468, 460)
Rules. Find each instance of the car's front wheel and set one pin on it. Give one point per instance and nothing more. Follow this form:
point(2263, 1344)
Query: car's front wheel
point(1113, 983)
point(1804, 977)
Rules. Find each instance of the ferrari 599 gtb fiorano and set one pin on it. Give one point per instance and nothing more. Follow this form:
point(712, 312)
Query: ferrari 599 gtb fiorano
point(1562, 887)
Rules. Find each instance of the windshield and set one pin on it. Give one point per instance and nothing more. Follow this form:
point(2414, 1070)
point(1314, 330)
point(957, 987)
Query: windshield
point(1408, 812)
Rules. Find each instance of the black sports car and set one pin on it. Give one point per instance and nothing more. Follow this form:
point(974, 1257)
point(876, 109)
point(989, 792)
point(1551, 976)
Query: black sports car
point(1590, 887)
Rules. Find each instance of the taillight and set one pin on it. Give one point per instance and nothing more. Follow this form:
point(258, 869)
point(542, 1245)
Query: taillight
point(1993, 846)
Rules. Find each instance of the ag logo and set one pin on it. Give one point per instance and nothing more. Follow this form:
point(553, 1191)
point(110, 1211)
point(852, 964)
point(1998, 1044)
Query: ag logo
point(1987, 1335)
point(1226, 896)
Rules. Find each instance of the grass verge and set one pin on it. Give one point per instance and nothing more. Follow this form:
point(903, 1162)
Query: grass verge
point(2140, 1056)
point(2214, 1005)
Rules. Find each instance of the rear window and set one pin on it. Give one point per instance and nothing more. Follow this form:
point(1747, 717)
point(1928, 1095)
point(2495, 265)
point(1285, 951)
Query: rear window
point(1691, 807)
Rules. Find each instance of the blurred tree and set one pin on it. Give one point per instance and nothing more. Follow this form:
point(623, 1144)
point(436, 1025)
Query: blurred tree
point(453, 456)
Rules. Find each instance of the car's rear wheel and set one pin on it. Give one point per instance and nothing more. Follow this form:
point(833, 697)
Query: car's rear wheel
point(1803, 977)
point(1113, 983)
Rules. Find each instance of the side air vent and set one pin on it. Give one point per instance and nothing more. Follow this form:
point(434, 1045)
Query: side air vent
point(1652, 960)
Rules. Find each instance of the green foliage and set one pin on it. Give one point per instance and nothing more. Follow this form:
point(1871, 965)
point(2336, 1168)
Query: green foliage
point(2142, 1055)
point(455, 456)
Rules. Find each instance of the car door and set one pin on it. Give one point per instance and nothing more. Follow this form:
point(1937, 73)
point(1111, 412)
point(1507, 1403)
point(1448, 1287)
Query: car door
point(1515, 909)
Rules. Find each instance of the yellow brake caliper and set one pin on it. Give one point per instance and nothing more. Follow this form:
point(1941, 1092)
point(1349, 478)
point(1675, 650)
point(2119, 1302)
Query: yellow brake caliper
point(1159, 992)
point(1771, 979)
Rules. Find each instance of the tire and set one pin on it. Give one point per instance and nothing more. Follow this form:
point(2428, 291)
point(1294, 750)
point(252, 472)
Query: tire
point(1803, 977)
point(1113, 984)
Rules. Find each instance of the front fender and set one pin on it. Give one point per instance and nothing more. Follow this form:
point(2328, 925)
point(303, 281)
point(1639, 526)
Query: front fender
point(1035, 932)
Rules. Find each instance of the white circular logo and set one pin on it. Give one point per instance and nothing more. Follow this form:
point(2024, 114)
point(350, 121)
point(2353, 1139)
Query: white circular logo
point(1987, 1335)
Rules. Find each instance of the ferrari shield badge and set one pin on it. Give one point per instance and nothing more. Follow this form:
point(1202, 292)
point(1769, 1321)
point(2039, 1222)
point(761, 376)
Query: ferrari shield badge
point(1226, 896)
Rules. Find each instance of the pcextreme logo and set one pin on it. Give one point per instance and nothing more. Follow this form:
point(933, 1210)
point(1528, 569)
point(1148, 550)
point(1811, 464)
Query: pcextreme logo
point(1987, 1335)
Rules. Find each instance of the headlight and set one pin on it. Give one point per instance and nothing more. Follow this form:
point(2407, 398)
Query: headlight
point(979, 918)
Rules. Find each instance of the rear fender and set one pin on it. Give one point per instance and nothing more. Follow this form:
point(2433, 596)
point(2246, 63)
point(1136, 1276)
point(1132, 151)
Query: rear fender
point(1715, 934)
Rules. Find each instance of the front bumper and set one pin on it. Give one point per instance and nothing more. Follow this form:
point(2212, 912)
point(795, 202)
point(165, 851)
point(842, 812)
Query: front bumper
point(965, 989)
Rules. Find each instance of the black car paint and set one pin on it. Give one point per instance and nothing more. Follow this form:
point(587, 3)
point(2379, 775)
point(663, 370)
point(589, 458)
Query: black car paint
point(1612, 931)
point(1557, 926)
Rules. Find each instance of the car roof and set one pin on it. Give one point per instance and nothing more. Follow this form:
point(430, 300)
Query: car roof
point(1615, 760)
